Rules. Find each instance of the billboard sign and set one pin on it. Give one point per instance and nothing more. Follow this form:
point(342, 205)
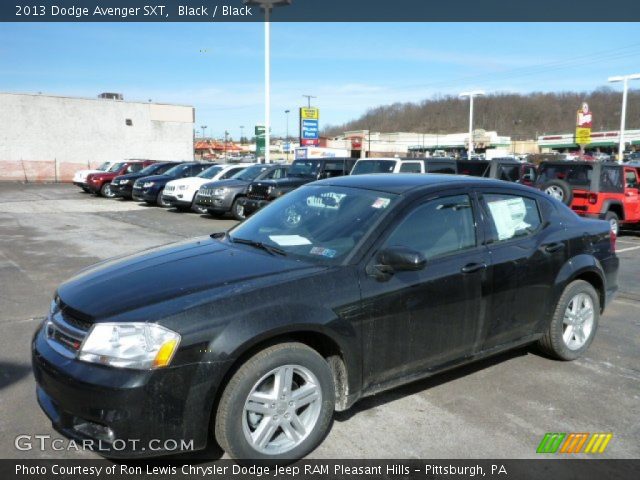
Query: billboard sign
point(309, 126)
point(260, 140)
point(584, 121)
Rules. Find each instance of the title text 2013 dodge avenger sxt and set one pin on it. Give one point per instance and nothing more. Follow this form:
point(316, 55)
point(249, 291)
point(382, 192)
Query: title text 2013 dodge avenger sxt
point(338, 290)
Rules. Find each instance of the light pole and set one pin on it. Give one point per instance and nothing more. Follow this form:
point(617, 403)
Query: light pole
point(204, 128)
point(286, 140)
point(267, 6)
point(625, 86)
point(226, 134)
point(241, 134)
point(471, 95)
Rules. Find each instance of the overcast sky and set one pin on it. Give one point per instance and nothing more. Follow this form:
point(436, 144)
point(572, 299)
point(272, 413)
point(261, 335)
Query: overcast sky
point(218, 68)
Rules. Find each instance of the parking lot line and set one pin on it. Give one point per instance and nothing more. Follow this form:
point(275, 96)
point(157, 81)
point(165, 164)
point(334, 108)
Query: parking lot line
point(628, 249)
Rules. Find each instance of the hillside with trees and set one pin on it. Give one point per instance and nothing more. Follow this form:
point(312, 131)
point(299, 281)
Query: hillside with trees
point(519, 116)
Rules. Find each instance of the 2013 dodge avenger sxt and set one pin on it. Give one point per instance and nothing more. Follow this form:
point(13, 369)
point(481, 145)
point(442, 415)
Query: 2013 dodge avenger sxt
point(337, 290)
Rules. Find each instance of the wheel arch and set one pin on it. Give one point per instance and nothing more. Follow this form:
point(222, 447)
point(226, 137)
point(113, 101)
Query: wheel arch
point(613, 206)
point(581, 267)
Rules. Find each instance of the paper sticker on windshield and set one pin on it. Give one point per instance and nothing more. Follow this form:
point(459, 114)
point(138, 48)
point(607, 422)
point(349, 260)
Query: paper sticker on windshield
point(381, 202)
point(508, 216)
point(325, 252)
point(289, 240)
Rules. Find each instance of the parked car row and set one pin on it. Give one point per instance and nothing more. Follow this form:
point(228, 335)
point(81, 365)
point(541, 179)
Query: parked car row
point(603, 190)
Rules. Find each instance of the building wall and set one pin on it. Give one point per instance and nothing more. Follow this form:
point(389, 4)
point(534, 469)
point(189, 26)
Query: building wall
point(47, 138)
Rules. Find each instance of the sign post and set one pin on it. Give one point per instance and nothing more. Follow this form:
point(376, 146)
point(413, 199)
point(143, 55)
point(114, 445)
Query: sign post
point(260, 141)
point(584, 121)
point(309, 126)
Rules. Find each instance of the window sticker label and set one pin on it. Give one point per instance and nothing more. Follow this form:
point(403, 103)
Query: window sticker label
point(381, 202)
point(325, 252)
point(508, 216)
point(289, 240)
point(326, 200)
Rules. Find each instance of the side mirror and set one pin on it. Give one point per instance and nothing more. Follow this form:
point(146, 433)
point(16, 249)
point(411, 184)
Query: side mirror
point(399, 259)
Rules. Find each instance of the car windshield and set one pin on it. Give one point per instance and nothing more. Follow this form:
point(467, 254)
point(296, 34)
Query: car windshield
point(304, 168)
point(116, 166)
point(210, 172)
point(319, 223)
point(578, 174)
point(249, 173)
point(373, 166)
point(153, 168)
point(104, 166)
point(175, 171)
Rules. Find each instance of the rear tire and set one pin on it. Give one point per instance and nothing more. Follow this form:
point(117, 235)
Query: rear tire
point(614, 221)
point(574, 323)
point(297, 417)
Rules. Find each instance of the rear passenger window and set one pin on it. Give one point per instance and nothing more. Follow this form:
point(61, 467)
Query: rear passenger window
point(511, 216)
point(410, 167)
point(334, 169)
point(440, 168)
point(437, 227)
point(509, 173)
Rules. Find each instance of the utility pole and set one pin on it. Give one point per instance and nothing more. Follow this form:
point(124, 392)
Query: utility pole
point(204, 128)
point(226, 134)
point(286, 140)
point(309, 97)
point(625, 86)
point(471, 95)
point(241, 134)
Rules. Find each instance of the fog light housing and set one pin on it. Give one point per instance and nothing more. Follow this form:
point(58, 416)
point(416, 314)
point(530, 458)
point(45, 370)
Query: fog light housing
point(93, 430)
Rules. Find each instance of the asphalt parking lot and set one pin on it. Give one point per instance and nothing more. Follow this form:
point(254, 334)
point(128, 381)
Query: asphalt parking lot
point(498, 408)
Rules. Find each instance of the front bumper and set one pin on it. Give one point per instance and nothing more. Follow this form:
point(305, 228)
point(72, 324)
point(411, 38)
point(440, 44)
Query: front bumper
point(176, 202)
point(80, 184)
point(123, 191)
point(215, 203)
point(139, 408)
point(149, 194)
point(94, 187)
point(252, 205)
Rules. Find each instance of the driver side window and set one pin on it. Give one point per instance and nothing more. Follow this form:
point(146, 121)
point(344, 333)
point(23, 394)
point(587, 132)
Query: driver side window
point(437, 227)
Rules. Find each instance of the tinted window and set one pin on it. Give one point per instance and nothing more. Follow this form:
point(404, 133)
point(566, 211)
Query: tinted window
point(529, 174)
point(511, 216)
point(630, 179)
point(195, 170)
point(177, 170)
point(116, 167)
point(437, 227)
point(611, 179)
point(231, 172)
point(473, 168)
point(276, 173)
point(440, 168)
point(410, 167)
point(509, 173)
point(577, 175)
point(134, 167)
point(250, 173)
point(333, 168)
point(304, 168)
point(373, 166)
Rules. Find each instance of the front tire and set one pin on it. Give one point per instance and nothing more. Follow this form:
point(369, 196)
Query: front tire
point(160, 202)
point(237, 211)
point(197, 208)
point(574, 323)
point(614, 221)
point(278, 405)
point(106, 191)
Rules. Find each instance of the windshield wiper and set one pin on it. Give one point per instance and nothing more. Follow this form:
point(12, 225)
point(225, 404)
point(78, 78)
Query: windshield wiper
point(263, 246)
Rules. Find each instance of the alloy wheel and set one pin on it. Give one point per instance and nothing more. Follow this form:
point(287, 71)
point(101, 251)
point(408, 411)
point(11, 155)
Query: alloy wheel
point(282, 409)
point(578, 321)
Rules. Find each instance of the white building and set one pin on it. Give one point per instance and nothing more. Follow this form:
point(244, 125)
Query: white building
point(44, 138)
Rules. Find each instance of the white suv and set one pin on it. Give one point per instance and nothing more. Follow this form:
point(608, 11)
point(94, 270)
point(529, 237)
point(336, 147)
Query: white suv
point(387, 165)
point(180, 193)
point(80, 177)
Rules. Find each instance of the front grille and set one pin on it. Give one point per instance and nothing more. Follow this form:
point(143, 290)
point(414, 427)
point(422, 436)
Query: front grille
point(259, 191)
point(65, 333)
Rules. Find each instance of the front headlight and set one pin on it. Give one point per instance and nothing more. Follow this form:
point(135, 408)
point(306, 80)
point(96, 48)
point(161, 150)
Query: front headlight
point(219, 191)
point(148, 184)
point(183, 187)
point(129, 345)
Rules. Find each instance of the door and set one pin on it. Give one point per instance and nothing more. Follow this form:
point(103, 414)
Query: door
point(631, 197)
point(419, 320)
point(524, 261)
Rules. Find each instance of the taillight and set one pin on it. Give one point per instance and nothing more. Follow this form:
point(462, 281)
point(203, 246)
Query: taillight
point(592, 198)
point(612, 239)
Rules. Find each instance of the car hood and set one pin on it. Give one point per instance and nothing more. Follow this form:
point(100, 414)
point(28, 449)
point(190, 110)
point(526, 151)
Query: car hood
point(190, 181)
point(286, 182)
point(128, 283)
point(158, 178)
point(228, 183)
point(131, 176)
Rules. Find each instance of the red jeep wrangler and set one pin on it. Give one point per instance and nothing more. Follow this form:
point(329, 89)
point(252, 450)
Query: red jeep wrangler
point(605, 190)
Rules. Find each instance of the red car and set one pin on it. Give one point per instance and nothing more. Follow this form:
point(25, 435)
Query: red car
point(100, 183)
point(608, 191)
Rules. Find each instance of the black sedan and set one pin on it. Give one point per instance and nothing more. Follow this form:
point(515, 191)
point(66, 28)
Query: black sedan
point(336, 291)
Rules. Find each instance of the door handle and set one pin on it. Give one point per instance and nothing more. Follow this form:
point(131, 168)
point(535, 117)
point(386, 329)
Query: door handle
point(553, 247)
point(473, 267)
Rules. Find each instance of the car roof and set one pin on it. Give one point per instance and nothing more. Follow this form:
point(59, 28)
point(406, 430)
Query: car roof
point(400, 183)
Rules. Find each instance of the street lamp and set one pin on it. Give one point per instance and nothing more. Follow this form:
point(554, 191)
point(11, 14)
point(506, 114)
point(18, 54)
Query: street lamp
point(267, 6)
point(241, 134)
point(226, 134)
point(625, 86)
point(286, 140)
point(475, 93)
